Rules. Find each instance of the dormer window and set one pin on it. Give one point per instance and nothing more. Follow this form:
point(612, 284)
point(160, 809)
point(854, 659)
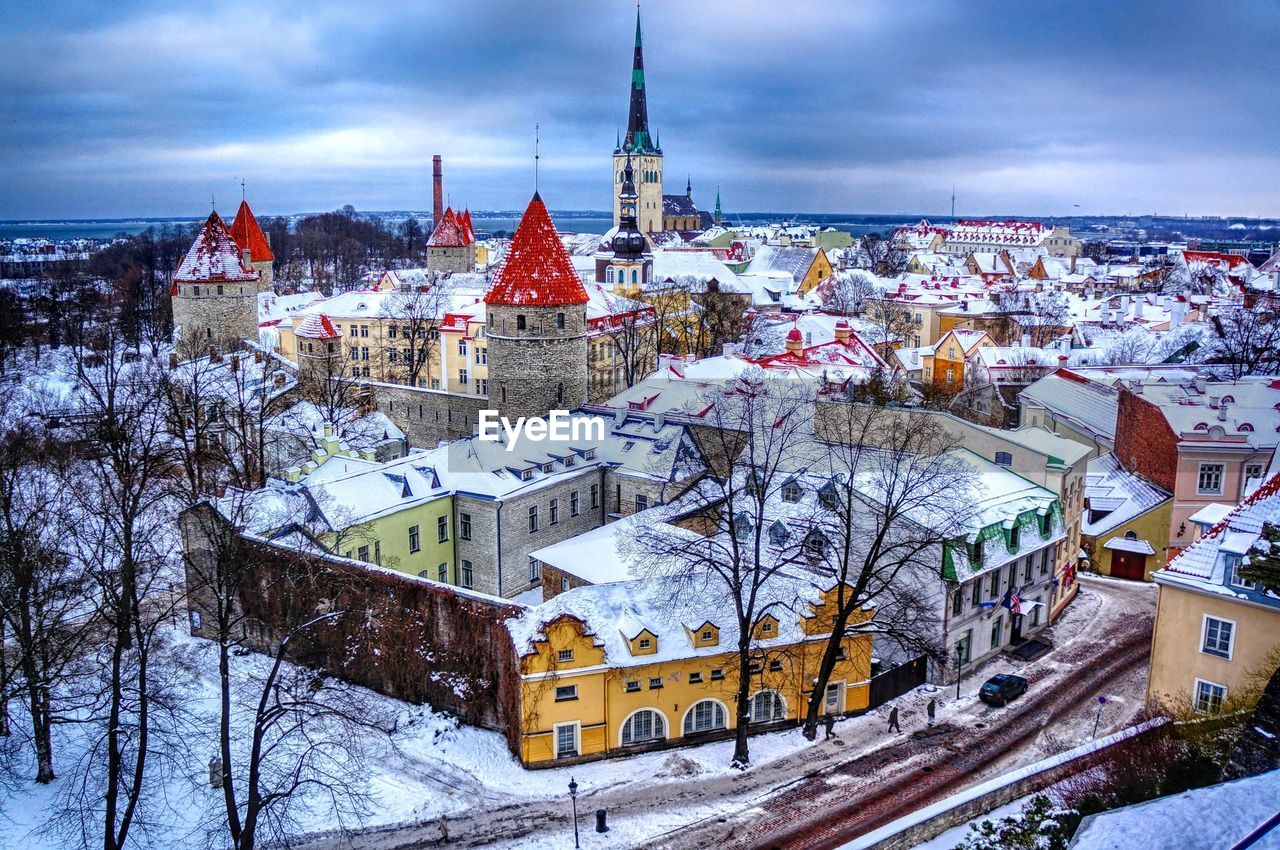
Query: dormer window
point(526, 474)
point(548, 468)
point(791, 492)
point(1014, 537)
point(742, 526)
point(644, 643)
point(568, 460)
point(589, 454)
point(706, 634)
point(778, 533)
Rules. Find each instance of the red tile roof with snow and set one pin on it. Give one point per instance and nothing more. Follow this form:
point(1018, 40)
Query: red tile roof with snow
point(247, 234)
point(213, 258)
point(468, 232)
point(447, 233)
point(317, 326)
point(536, 271)
point(1231, 261)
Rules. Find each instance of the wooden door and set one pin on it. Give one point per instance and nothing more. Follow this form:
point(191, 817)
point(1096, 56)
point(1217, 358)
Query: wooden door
point(1131, 565)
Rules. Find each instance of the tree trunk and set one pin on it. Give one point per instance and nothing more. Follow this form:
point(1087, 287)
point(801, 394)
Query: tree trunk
point(741, 751)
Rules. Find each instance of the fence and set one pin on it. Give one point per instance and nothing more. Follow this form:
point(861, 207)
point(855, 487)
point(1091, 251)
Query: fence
point(896, 681)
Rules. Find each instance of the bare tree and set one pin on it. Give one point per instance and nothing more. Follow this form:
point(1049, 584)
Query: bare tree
point(288, 736)
point(719, 548)
point(1044, 316)
point(891, 322)
point(890, 494)
point(849, 293)
point(415, 314)
point(880, 256)
point(1248, 342)
point(634, 335)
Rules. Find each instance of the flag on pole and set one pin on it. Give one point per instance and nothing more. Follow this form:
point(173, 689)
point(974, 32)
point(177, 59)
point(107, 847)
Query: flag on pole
point(1015, 603)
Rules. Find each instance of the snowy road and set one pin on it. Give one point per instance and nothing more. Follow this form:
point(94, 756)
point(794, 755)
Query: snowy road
point(673, 800)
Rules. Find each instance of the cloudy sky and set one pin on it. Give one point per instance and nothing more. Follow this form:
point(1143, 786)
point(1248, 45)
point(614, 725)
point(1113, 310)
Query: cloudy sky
point(134, 107)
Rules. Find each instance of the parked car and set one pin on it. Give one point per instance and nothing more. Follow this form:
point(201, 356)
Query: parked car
point(1001, 688)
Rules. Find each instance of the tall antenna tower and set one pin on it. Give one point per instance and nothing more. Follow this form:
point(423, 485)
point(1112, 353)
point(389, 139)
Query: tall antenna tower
point(953, 200)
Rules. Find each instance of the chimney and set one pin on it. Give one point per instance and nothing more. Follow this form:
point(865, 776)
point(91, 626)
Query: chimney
point(437, 183)
point(1026, 340)
point(1105, 311)
point(1200, 384)
point(257, 355)
point(234, 362)
point(795, 342)
point(1139, 305)
point(173, 360)
point(1177, 311)
point(728, 349)
point(214, 357)
point(843, 332)
point(1222, 411)
point(245, 258)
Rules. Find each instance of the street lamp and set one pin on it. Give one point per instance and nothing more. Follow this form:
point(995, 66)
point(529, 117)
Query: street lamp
point(573, 795)
point(959, 662)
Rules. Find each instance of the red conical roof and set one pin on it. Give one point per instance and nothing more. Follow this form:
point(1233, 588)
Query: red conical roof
point(447, 233)
point(468, 232)
point(214, 257)
point(317, 326)
point(247, 234)
point(536, 271)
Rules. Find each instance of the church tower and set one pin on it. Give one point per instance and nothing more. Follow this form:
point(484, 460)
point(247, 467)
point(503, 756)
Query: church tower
point(629, 268)
point(215, 293)
point(640, 146)
point(537, 323)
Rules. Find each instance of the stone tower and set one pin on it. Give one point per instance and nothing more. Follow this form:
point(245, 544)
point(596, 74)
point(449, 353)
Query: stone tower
point(537, 324)
point(644, 151)
point(255, 247)
point(319, 353)
point(215, 295)
point(628, 267)
point(452, 246)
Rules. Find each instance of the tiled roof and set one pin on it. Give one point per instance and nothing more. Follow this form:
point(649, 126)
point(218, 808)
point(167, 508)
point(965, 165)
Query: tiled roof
point(1087, 405)
point(213, 257)
point(247, 234)
point(1108, 485)
point(1236, 534)
point(536, 270)
point(447, 233)
point(317, 326)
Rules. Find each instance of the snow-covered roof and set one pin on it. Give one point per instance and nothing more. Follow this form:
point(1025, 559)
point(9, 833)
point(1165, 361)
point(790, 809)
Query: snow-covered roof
point(1246, 410)
point(1084, 404)
point(597, 556)
point(1216, 816)
point(213, 257)
point(536, 271)
point(1211, 514)
point(1125, 544)
point(1115, 496)
point(1202, 565)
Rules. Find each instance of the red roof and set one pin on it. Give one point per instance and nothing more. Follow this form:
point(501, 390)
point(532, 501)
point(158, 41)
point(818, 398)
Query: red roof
point(468, 232)
point(1231, 261)
point(247, 234)
point(317, 326)
point(536, 271)
point(213, 258)
point(447, 233)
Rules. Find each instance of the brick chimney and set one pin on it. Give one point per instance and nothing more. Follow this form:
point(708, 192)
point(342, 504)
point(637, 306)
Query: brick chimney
point(843, 332)
point(437, 183)
point(795, 342)
point(173, 360)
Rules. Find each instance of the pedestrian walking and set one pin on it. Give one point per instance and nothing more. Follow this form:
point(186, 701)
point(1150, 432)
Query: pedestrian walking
point(931, 709)
point(829, 721)
point(893, 720)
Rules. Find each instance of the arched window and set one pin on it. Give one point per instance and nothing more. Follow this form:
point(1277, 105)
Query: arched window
point(643, 726)
point(704, 716)
point(1131, 535)
point(635, 276)
point(767, 706)
point(608, 275)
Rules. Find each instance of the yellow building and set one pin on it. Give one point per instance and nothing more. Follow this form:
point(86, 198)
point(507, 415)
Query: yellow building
point(1217, 635)
point(1125, 532)
point(945, 366)
point(610, 669)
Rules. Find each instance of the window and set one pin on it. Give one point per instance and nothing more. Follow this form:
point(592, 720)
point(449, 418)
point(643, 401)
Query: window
point(705, 716)
point(1252, 470)
point(462, 378)
point(462, 348)
point(997, 633)
point(964, 648)
point(717, 674)
point(391, 332)
point(560, 321)
point(1232, 570)
point(775, 665)
point(977, 553)
point(833, 699)
point(565, 693)
point(1217, 637)
point(642, 503)
point(655, 683)
point(442, 573)
point(414, 545)
point(767, 706)
point(645, 643)
point(957, 602)
point(573, 503)
point(520, 322)
point(790, 492)
point(632, 686)
point(1044, 561)
point(815, 543)
point(464, 526)
point(1004, 459)
point(564, 655)
point(442, 529)
point(766, 628)
point(975, 597)
point(553, 512)
point(1209, 696)
point(566, 740)
point(595, 495)
point(1014, 537)
point(535, 570)
point(645, 725)
point(1209, 481)
point(533, 518)
point(564, 584)
point(827, 497)
point(1035, 611)
point(362, 554)
point(377, 552)
point(468, 574)
point(995, 584)
point(695, 678)
point(1026, 572)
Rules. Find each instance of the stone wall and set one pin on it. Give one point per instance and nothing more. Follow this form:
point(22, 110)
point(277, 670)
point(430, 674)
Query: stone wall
point(450, 260)
point(212, 319)
point(406, 637)
point(428, 416)
point(518, 541)
point(540, 367)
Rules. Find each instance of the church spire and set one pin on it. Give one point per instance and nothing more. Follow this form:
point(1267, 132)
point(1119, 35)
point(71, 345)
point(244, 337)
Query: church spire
point(638, 139)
